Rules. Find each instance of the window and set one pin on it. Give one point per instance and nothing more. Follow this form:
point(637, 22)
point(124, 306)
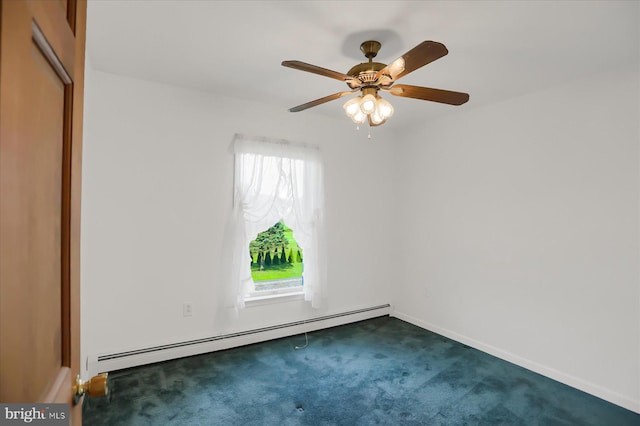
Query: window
point(276, 262)
point(278, 188)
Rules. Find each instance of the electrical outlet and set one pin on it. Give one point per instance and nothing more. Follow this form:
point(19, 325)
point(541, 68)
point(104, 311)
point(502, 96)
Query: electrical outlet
point(187, 309)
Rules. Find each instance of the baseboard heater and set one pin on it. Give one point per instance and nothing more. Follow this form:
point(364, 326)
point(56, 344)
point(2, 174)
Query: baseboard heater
point(132, 358)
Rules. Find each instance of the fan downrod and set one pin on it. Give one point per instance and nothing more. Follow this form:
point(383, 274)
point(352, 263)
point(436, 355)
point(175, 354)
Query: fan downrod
point(370, 49)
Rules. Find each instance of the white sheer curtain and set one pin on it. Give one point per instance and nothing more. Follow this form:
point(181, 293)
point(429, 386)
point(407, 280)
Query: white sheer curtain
point(277, 180)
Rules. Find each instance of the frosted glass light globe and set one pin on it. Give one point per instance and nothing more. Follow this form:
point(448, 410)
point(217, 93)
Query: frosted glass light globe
point(359, 117)
point(376, 118)
point(368, 104)
point(384, 108)
point(352, 106)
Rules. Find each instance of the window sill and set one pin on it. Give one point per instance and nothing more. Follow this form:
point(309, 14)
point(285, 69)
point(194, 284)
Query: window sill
point(273, 298)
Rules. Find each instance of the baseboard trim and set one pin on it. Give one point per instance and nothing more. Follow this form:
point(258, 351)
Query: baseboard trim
point(567, 379)
point(142, 356)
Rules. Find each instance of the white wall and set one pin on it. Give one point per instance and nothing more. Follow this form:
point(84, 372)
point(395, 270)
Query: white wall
point(522, 235)
point(157, 186)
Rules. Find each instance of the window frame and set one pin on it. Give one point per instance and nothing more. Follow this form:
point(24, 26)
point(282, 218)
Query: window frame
point(301, 208)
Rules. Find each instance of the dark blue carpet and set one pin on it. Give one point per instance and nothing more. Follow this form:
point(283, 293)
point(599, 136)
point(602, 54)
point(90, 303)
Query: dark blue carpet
point(381, 371)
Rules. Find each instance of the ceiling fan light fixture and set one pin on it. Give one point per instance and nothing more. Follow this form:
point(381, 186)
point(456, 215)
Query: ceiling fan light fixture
point(352, 106)
point(359, 117)
point(368, 104)
point(384, 108)
point(376, 118)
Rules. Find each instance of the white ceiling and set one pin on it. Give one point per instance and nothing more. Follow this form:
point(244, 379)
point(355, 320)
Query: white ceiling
point(497, 49)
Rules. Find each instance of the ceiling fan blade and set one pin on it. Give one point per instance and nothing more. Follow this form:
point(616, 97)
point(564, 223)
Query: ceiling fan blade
point(429, 94)
point(320, 101)
point(303, 66)
point(424, 53)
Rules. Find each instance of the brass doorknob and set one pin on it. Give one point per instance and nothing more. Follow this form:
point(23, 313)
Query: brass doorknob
point(95, 386)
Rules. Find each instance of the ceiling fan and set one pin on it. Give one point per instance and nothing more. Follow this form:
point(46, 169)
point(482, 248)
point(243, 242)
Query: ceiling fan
point(369, 78)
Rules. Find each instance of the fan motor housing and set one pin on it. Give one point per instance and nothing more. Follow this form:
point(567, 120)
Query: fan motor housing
point(366, 67)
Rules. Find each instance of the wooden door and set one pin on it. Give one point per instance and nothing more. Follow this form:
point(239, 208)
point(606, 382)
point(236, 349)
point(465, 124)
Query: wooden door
point(41, 94)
